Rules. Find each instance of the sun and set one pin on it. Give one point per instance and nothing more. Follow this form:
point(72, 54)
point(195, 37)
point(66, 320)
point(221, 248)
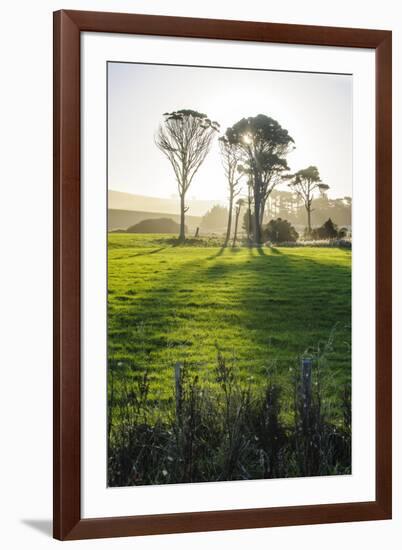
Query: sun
point(248, 139)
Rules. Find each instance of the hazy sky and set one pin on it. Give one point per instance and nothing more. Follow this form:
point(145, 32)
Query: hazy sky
point(316, 109)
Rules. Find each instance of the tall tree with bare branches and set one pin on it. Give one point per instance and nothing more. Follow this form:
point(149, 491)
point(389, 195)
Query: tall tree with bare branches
point(185, 138)
point(305, 183)
point(231, 156)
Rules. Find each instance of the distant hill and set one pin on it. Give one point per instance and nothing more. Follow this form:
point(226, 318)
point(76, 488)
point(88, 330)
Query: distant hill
point(155, 225)
point(123, 219)
point(141, 203)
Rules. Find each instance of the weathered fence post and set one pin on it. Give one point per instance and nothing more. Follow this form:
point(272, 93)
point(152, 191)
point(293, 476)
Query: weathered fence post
point(305, 412)
point(306, 371)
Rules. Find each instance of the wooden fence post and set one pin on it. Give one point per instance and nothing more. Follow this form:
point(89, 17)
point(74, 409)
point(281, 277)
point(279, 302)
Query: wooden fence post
point(305, 412)
point(306, 371)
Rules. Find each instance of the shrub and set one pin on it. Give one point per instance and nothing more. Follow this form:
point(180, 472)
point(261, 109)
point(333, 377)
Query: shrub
point(278, 231)
point(327, 231)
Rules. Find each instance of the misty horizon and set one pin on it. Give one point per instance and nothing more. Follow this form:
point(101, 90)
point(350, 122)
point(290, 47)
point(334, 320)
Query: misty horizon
point(174, 200)
point(175, 196)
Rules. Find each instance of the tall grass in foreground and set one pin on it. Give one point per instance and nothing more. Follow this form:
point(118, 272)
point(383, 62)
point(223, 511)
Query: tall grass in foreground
point(228, 429)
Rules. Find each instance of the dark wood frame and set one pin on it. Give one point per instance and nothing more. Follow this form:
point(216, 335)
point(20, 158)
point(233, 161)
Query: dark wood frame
point(67, 481)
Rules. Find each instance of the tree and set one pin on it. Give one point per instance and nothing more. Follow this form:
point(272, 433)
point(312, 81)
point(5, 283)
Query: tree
point(305, 183)
point(280, 231)
point(248, 217)
point(215, 219)
point(239, 204)
point(231, 156)
point(327, 231)
point(248, 223)
point(330, 230)
point(263, 144)
point(185, 139)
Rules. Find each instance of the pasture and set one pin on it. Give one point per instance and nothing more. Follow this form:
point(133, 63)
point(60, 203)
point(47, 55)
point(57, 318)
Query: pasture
point(261, 307)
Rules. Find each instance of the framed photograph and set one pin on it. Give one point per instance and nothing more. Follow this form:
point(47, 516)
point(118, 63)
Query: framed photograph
point(222, 272)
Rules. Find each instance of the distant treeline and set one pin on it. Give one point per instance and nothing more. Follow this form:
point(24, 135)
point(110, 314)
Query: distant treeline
point(287, 205)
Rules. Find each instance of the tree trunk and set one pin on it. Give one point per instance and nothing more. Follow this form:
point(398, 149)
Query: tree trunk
point(309, 221)
point(249, 217)
point(229, 228)
point(236, 222)
point(257, 220)
point(262, 208)
point(182, 235)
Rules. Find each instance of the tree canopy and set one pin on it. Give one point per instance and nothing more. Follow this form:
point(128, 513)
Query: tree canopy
point(264, 145)
point(305, 182)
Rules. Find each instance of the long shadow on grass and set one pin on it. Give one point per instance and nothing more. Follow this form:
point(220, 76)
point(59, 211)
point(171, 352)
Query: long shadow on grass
point(152, 251)
point(275, 300)
point(221, 251)
point(230, 250)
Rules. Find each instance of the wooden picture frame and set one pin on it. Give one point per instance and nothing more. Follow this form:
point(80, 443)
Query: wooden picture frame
point(68, 523)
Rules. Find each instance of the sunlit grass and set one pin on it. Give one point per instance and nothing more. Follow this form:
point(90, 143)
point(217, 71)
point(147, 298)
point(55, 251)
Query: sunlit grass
point(261, 307)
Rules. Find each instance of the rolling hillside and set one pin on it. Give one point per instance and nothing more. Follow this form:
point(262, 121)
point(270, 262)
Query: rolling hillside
point(122, 219)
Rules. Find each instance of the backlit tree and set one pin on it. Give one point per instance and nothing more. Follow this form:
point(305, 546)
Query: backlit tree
point(264, 145)
point(185, 138)
point(305, 183)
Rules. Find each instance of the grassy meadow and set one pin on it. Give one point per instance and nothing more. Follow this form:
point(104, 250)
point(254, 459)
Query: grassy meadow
point(238, 320)
point(262, 307)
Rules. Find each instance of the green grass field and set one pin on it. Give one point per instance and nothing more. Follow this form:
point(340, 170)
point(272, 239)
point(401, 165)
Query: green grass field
point(262, 308)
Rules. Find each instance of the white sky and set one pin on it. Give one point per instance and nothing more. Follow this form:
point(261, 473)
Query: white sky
point(316, 109)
